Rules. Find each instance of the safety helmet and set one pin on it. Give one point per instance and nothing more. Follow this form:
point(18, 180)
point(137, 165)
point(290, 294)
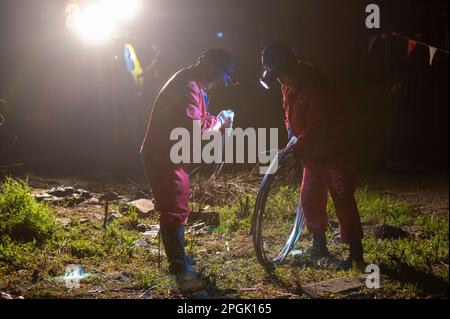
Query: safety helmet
point(224, 63)
point(275, 57)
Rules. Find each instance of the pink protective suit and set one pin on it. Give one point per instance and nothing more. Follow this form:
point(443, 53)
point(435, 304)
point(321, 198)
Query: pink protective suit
point(180, 101)
point(325, 144)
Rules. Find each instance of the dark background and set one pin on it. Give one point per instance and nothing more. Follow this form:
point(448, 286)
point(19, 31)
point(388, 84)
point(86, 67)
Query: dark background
point(60, 90)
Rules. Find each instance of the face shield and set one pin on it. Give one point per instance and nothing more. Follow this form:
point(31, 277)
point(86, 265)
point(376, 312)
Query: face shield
point(228, 78)
point(223, 67)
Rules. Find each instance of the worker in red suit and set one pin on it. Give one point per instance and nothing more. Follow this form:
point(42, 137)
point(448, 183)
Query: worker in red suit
point(182, 100)
point(325, 145)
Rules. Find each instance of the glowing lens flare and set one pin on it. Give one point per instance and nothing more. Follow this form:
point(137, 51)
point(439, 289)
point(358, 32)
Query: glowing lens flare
point(99, 20)
point(94, 23)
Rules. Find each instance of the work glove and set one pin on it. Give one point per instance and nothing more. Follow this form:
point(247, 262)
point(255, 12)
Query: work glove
point(290, 133)
point(226, 118)
point(290, 159)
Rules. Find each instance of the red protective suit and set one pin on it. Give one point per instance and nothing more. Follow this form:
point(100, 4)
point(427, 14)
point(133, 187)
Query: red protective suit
point(179, 103)
point(325, 144)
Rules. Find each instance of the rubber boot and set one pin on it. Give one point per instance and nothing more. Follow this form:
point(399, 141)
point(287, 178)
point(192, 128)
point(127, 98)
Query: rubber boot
point(356, 257)
point(357, 253)
point(319, 246)
point(173, 241)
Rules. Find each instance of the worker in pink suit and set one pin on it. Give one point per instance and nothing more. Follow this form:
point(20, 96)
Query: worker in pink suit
point(182, 100)
point(325, 145)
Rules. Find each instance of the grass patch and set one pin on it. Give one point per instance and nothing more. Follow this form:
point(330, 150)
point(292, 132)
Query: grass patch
point(237, 215)
point(83, 249)
point(157, 280)
point(130, 221)
point(376, 208)
point(406, 251)
point(15, 254)
point(22, 218)
point(25, 225)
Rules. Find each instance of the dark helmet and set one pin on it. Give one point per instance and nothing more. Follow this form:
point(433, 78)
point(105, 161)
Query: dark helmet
point(224, 63)
point(275, 57)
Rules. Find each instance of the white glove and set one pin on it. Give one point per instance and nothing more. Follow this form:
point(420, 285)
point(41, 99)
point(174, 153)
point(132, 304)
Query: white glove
point(226, 117)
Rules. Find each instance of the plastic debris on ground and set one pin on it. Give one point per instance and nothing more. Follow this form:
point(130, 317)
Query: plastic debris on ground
point(73, 275)
point(140, 243)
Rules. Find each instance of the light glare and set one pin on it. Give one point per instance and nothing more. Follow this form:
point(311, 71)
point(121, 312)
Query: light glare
point(94, 23)
point(97, 21)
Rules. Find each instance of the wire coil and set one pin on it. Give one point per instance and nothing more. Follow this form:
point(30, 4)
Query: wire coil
point(258, 216)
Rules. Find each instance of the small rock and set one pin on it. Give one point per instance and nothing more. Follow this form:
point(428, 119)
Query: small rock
point(143, 206)
point(109, 196)
point(389, 232)
point(92, 201)
point(82, 194)
point(44, 197)
point(123, 201)
point(4, 295)
point(342, 286)
point(62, 191)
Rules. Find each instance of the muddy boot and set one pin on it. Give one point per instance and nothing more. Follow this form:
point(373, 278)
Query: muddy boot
point(318, 247)
point(187, 276)
point(356, 257)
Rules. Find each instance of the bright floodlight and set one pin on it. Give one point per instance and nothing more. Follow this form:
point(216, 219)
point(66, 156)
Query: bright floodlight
point(94, 23)
point(98, 20)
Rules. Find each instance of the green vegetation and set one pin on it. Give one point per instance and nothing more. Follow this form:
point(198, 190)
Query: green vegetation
point(22, 218)
point(35, 249)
